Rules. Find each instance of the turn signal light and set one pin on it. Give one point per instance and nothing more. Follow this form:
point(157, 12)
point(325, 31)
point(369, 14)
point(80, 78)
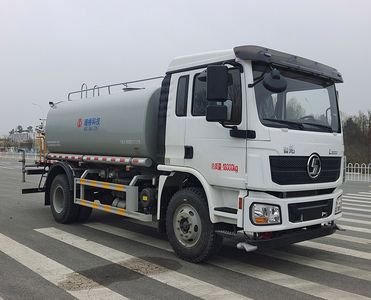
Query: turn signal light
point(240, 203)
point(261, 220)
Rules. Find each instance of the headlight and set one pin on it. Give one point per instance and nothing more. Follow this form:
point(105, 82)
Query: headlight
point(265, 214)
point(338, 204)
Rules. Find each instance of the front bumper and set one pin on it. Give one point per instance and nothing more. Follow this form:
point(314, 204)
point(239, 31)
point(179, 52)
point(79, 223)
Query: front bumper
point(284, 203)
point(294, 236)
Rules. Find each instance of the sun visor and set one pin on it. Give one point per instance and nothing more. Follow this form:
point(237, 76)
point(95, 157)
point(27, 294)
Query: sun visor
point(277, 58)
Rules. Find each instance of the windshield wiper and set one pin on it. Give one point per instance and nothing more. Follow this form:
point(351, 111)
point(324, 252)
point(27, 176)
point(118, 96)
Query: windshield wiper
point(328, 128)
point(285, 122)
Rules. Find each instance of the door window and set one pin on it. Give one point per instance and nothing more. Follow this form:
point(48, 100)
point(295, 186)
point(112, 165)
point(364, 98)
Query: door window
point(234, 101)
point(182, 96)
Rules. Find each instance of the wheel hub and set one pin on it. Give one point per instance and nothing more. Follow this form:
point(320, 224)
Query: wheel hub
point(58, 199)
point(187, 225)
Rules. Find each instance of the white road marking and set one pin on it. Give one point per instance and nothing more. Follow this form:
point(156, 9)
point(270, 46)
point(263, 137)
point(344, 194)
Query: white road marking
point(350, 201)
point(288, 281)
point(295, 283)
point(355, 221)
point(357, 209)
point(353, 228)
point(320, 264)
point(357, 215)
point(336, 249)
point(172, 278)
point(358, 195)
point(348, 238)
point(7, 168)
point(54, 272)
point(366, 193)
point(132, 235)
point(359, 205)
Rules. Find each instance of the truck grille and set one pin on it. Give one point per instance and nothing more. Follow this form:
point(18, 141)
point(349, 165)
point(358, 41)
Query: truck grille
point(306, 211)
point(293, 170)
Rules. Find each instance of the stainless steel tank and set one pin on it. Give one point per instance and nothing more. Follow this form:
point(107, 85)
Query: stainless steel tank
point(116, 125)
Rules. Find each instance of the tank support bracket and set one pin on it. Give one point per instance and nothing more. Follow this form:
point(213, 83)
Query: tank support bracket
point(131, 191)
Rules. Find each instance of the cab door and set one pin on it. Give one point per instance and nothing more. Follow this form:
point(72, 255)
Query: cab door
point(176, 119)
point(209, 148)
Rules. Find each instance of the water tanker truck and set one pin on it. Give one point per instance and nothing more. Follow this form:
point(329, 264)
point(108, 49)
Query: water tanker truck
point(244, 144)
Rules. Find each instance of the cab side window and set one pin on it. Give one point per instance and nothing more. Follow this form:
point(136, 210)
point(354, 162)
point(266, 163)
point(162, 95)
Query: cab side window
point(199, 101)
point(182, 96)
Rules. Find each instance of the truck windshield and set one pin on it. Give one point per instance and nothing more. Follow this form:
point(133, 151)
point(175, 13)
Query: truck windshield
point(308, 103)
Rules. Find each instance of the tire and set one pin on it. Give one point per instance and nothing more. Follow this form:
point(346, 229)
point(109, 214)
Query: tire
point(61, 201)
point(188, 226)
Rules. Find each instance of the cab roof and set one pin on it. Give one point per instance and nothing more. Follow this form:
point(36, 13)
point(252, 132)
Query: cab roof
point(198, 60)
point(256, 54)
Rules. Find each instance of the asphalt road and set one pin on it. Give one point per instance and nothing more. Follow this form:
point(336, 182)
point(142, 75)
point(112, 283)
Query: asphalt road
point(114, 258)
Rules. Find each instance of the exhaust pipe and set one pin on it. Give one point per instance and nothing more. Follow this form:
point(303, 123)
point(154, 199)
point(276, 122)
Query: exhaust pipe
point(339, 228)
point(247, 247)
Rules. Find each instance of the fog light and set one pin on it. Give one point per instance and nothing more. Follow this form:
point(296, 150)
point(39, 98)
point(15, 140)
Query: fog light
point(265, 214)
point(338, 204)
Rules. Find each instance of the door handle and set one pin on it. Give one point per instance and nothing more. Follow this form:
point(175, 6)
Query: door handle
point(188, 152)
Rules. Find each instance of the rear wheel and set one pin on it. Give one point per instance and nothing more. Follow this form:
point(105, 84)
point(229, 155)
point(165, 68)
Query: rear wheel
point(61, 201)
point(189, 228)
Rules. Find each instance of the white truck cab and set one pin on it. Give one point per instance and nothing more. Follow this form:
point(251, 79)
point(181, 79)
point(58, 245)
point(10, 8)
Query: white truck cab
point(275, 164)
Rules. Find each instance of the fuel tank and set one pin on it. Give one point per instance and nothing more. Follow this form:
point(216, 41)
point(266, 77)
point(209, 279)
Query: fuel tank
point(114, 125)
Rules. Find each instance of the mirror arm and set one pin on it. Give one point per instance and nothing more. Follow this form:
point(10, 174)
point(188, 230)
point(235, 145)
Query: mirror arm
point(260, 78)
point(234, 64)
point(250, 85)
point(228, 126)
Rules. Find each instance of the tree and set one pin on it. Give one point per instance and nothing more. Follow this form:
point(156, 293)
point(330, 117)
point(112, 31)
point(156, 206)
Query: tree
point(357, 137)
point(30, 129)
point(294, 110)
point(19, 128)
point(6, 143)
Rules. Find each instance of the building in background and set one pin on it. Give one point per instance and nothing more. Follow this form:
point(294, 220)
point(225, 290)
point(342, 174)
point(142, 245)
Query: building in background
point(19, 138)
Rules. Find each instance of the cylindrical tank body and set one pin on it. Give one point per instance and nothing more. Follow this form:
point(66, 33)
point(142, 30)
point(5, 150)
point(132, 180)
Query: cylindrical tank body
point(114, 125)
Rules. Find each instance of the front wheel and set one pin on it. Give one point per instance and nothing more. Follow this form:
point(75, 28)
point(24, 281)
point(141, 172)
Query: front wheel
point(188, 226)
point(61, 201)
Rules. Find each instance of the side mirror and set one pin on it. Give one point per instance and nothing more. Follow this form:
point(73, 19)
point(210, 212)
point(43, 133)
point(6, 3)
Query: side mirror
point(216, 113)
point(275, 82)
point(217, 83)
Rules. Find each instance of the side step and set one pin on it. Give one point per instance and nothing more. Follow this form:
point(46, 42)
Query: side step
point(33, 190)
point(36, 171)
point(226, 212)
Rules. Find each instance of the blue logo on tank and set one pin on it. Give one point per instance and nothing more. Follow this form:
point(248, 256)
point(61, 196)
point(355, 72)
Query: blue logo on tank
point(91, 124)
